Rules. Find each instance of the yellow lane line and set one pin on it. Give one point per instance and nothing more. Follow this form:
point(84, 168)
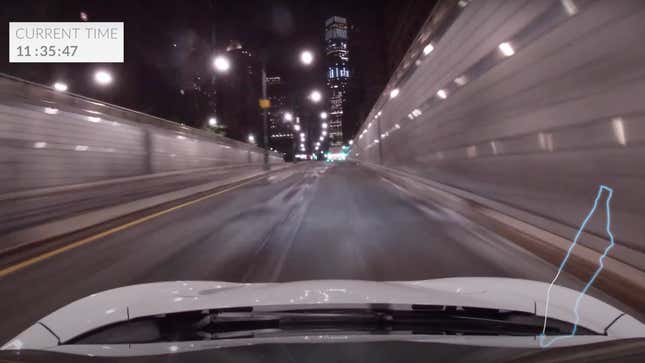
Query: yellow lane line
point(11, 269)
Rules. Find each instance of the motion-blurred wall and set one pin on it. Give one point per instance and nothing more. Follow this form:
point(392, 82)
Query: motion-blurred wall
point(533, 104)
point(49, 138)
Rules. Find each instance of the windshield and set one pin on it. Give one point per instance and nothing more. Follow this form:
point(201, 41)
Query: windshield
point(452, 176)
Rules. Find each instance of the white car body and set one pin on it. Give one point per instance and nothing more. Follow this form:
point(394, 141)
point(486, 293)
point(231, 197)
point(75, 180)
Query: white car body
point(131, 302)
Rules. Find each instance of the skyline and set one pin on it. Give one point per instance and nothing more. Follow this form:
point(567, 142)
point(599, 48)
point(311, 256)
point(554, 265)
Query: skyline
point(175, 62)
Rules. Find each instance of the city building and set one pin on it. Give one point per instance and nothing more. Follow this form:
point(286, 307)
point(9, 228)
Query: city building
point(280, 130)
point(238, 92)
point(338, 74)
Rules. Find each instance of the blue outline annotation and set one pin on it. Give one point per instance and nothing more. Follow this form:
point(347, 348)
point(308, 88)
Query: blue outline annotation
point(566, 258)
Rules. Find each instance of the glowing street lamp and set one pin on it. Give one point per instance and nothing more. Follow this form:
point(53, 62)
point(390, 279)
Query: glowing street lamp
point(212, 122)
point(222, 63)
point(324, 125)
point(103, 77)
point(60, 86)
point(507, 49)
point(288, 116)
point(306, 57)
point(296, 127)
point(315, 96)
point(252, 139)
point(323, 115)
point(428, 49)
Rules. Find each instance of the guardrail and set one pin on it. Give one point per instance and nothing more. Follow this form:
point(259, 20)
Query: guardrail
point(50, 138)
point(527, 104)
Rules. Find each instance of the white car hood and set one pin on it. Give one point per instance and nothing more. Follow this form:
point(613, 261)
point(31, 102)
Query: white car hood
point(122, 304)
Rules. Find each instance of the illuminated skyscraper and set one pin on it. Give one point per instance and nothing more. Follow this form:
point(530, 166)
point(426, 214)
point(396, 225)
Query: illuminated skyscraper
point(337, 56)
point(280, 132)
point(238, 93)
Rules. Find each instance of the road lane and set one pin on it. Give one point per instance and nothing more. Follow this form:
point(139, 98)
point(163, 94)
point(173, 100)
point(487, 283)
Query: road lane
point(319, 222)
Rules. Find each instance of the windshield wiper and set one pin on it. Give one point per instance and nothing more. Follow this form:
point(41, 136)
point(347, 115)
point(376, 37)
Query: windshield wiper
point(247, 323)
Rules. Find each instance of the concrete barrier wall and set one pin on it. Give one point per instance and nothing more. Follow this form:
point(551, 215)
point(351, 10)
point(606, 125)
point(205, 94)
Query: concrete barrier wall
point(538, 130)
point(49, 138)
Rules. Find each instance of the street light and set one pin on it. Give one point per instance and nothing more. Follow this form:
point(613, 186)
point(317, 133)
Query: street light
point(212, 122)
point(324, 133)
point(324, 125)
point(507, 49)
point(323, 115)
point(252, 139)
point(306, 57)
point(60, 86)
point(296, 127)
point(103, 77)
point(221, 63)
point(288, 116)
point(394, 93)
point(428, 49)
point(315, 96)
point(322, 138)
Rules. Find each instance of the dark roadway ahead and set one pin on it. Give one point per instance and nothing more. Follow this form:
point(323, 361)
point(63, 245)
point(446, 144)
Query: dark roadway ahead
point(321, 221)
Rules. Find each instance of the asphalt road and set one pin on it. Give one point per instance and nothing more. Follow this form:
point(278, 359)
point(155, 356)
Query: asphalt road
point(322, 221)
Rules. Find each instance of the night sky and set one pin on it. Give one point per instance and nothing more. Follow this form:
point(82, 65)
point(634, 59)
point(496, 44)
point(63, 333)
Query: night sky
point(168, 43)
